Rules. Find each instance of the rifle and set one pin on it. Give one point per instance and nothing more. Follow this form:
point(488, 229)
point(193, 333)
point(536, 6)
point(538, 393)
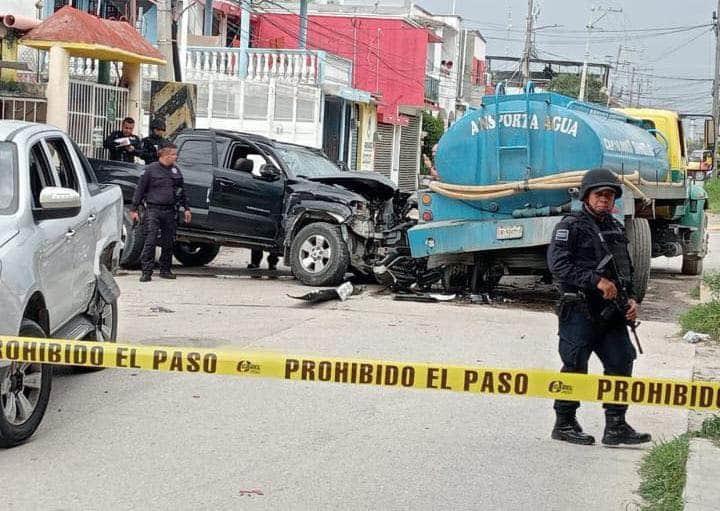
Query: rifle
point(621, 302)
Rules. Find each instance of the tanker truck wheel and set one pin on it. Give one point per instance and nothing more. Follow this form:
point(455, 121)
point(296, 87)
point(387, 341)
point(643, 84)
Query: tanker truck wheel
point(637, 231)
point(693, 264)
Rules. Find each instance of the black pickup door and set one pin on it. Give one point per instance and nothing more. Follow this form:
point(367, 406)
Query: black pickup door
point(197, 159)
point(244, 203)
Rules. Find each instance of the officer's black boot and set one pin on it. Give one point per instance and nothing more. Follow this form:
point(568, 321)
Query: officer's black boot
point(617, 431)
point(567, 429)
point(146, 277)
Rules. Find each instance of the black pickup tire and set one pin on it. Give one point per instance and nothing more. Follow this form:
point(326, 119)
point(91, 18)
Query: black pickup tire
point(637, 231)
point(318, 255)
point(25, 394)
point(195, 254)
point(133, 239)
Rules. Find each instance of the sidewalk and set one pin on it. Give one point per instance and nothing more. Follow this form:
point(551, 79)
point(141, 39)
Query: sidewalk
point(702, 493)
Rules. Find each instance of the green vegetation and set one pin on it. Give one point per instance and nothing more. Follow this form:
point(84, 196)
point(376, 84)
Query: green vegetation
point(10, 86)
point(663, 468)
point(663, 474)
point(569, 85)
point(712, 187)
point(710, 429)
point(434, 128)
point(712, 281)
point(695, 293)
point(705, 317)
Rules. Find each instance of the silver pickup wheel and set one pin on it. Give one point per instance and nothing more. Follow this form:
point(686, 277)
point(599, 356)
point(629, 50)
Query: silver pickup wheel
point(24, 394)
point(105, 317)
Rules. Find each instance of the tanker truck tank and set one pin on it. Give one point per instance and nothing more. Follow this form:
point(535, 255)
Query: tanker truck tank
point(508, 171)
point(530, 148)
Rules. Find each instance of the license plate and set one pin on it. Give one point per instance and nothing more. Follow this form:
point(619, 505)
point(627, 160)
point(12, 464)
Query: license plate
point(509, 232)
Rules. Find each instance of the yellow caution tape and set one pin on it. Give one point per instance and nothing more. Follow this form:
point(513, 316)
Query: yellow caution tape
point(469, 379)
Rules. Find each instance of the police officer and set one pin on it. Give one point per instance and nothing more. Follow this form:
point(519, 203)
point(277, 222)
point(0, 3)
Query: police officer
point(161, 187)
point(256, 255)
point(590, 317)
point(123, 144)
point(154, 141)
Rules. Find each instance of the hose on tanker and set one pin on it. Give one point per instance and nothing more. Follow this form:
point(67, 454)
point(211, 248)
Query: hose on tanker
point(560, 181)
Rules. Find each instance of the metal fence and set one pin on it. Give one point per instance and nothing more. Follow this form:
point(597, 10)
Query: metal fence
point(94, 111)
point(23, 109)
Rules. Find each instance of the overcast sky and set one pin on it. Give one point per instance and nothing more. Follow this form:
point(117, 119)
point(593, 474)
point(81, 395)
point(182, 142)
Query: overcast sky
point(682, 54)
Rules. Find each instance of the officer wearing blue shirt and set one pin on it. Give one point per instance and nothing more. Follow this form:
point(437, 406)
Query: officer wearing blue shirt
point(161, 187)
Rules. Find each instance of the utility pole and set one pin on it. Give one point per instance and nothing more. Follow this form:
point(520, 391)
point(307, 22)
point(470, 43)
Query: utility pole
point(617, 73)
point(208, 18)
point(590, 25)
point(302, 41)
point(716, 81)
point(244, 36)
point(164, 36)
point(632, 84)
point(525, 64)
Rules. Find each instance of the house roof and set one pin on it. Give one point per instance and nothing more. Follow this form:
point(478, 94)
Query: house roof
point(85, 35)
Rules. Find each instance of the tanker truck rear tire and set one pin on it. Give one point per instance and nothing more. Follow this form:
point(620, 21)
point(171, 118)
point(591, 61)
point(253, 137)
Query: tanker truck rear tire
point(692, 265)
point(637, 231)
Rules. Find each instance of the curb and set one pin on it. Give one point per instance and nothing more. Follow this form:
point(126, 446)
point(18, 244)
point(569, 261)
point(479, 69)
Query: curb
point(702, 493)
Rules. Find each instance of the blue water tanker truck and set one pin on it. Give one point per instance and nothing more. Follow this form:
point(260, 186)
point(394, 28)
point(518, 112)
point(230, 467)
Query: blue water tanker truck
point(510, 170)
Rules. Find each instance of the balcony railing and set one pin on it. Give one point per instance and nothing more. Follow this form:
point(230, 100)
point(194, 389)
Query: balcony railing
point(297, 66)
point(432, 88)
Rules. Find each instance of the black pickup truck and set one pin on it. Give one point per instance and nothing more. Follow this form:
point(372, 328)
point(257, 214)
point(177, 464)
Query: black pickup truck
point(249, 191)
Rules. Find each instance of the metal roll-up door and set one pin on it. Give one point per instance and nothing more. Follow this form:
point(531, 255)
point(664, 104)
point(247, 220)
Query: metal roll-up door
point(383, 149)
point(409, 155)
point(354, 145)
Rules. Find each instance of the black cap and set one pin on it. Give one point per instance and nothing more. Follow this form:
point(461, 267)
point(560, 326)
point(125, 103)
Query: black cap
point(157, 124)
point(599, 178)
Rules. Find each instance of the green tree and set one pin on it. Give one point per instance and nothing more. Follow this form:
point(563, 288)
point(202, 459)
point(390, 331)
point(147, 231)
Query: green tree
point(569, 85)
point(434, 128)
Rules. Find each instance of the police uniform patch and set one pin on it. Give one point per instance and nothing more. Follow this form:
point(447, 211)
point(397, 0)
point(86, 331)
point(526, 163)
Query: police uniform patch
point(562, 235)
point(174, 170)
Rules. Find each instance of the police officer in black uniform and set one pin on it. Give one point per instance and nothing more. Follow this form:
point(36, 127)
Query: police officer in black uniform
point(153, 142)
point(161, 187)
point(123, 144)
point(590, 316)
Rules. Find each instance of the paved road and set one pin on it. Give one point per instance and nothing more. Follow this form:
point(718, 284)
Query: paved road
point(125, 440)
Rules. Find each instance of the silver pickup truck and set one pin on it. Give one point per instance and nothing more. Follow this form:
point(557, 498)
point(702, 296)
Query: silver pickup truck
point(59, 242)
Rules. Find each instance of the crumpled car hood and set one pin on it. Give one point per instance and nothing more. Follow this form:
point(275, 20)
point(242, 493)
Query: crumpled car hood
point(368, 184)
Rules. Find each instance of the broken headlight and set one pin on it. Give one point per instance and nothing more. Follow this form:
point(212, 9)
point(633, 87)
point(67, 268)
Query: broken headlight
point(361, 222)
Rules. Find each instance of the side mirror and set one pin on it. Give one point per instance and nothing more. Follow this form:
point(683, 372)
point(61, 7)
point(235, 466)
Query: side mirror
point(269, 172)
point(343, 166)
point(709, 133)
point(56, 202)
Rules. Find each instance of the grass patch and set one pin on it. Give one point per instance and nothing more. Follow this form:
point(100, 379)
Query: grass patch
point(710, 429)
point(712, 187)
point(703, 318)
point(695, 293)
point(712, 281)
point(663, 469)
point(663, 475)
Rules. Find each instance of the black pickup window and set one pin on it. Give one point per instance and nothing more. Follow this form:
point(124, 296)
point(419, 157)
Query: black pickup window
point(195, 151)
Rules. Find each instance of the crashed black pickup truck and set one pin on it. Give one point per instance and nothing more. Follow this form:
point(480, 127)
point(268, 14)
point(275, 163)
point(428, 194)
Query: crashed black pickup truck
point(249, 191)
